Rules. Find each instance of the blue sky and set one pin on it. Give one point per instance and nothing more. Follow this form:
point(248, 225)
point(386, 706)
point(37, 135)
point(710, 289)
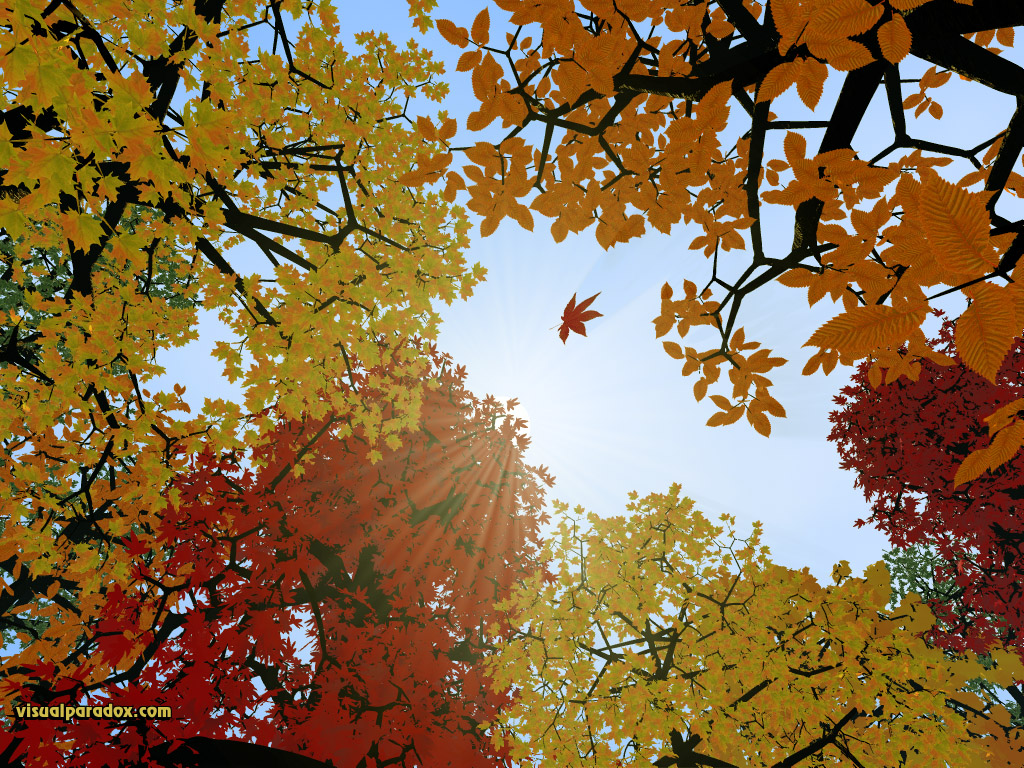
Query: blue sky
point(611, 413)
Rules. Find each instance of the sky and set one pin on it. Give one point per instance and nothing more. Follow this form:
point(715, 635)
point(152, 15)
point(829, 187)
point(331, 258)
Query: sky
point(610, 413)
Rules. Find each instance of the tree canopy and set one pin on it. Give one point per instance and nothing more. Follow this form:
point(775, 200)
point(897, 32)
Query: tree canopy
point(914, 569)
point(318, 604)
point(662, 642)
point(389, 516)
point(616, 118)
point(165, 113)
point(905, 441)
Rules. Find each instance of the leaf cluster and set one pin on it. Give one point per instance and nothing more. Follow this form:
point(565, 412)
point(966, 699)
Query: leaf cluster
point(658, 635)
point(614, 117)
point(320, 603)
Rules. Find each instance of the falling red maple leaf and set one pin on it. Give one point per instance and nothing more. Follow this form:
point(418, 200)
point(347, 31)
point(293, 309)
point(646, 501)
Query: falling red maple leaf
point(574, 316)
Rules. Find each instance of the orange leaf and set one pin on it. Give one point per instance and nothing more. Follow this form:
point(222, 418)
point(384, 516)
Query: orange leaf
point(1005, 444)
point(986, 330)
point(722, 402)
point(840, 19)
point(894, 39)
point(760, 422)
point(810, 81)
point(673, 349)
point(862, 330)
point(468, 60)
point(481, 28)
point(972, 467)
point(719, 28)
point(956, 224)
point(907, 5)
point(453, 34)
point(845, 55)
point(426, 128)
point(1004, 415)
point(777, 81)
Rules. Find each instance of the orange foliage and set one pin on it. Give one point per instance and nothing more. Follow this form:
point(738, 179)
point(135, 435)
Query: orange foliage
point(632, 100)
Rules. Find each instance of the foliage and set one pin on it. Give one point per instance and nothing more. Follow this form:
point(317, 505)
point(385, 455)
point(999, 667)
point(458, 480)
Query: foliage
point(319, 603)
point(905, 440)
point(631, 101)
point(913, 570)
point(47, 273)
point(263, 142)
point(660, 634)
point(54, 278)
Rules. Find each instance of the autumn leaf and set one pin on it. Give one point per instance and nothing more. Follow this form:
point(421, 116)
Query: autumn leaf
point(575, 315)
point(894, 39)
point(931, 472)
point(986, 330)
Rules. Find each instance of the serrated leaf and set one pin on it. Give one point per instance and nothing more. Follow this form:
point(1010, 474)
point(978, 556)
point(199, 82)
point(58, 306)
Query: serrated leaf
point(956, 223)
point(674, 350)
point(894, 39)
point(987, 329)
point(480, 31)
point(453, 34)
point(864, 329)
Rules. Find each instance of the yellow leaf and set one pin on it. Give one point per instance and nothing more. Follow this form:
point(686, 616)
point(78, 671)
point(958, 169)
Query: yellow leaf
point(673, 349)
point(894, 39)
point(986, 330)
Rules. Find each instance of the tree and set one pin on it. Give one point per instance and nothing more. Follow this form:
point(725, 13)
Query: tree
point(389, 572)
point(51, 277)
point(905, 440)
point(661, 634)
point(913, 570)
point(88, 135)
point(631, 100)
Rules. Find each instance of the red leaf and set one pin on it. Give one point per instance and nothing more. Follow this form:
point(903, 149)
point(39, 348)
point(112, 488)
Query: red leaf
point(575, 315)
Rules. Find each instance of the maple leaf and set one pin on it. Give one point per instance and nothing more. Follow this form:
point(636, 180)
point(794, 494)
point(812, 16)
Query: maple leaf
point(575, 315)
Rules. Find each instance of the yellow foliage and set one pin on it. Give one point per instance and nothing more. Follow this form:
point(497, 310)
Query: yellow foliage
point(225, 171)
point(709, 639)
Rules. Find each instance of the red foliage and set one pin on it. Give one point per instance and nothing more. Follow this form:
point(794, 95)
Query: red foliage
point(339, 614)
point(905, 440)
point(574, 317)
